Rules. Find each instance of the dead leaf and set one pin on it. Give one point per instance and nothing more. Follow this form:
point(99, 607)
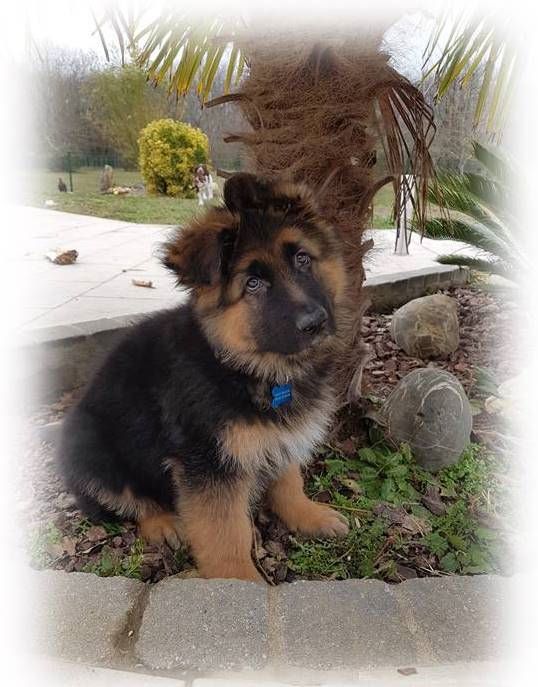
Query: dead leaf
point(96, 533)
point(54, 550)
point(394, 515)
point(348, 447)
point(69, 545)
point(432, 500)
point(415, 525)
point(275, 548)
point(62, 257)
point(405, 573)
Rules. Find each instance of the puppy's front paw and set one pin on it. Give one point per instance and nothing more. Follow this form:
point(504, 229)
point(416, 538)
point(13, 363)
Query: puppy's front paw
point(164, 527)
point(321, 521)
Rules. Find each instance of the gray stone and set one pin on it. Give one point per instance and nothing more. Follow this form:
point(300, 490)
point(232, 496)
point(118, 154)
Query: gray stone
point(459, 618)
point(427, 327)
point(204, 625)
point(428, 410)
point(350, 624)
point(78, 616)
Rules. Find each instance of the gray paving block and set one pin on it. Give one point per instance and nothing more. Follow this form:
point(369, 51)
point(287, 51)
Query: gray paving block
point(204, 625)
point(350, 624)
point(460, 618)
point(78, 616)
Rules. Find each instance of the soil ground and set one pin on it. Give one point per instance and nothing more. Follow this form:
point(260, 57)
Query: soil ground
point(404, 521)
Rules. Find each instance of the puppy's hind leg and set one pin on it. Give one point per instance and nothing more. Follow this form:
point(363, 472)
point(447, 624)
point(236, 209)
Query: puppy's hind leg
point(156, 524)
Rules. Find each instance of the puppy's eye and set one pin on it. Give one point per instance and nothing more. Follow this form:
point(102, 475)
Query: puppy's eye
point(302, 259)
point(253, 284)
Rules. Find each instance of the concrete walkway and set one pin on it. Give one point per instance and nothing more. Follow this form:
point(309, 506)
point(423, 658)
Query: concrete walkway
point(112, 253)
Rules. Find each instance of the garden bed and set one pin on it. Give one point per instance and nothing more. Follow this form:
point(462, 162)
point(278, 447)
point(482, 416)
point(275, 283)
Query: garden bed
point(404, 522)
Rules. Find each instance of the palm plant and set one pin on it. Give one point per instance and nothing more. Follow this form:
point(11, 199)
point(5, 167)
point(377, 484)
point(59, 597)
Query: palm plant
point(318, 106)
point(480, 215)
point(464, 46)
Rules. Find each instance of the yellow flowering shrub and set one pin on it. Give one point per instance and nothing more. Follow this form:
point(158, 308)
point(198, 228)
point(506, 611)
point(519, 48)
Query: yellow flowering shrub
point(169, 153)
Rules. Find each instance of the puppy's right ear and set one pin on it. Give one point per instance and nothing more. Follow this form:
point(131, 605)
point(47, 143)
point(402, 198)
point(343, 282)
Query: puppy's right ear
point(195, 254)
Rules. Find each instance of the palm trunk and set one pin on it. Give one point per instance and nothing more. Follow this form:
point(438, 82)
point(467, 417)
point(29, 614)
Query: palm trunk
point(318, 111)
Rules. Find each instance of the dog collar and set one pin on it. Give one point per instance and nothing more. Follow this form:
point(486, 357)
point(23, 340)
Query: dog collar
point(280, 395)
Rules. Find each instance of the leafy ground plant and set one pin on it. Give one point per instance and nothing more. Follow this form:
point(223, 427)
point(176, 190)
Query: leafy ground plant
point(110, 563)
point(405, 522)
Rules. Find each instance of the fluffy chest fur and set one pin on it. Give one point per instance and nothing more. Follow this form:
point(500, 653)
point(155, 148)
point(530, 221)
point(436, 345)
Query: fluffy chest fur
point(271, 445)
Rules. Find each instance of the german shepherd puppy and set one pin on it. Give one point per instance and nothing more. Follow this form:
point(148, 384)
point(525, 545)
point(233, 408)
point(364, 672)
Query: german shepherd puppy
point(204, 409)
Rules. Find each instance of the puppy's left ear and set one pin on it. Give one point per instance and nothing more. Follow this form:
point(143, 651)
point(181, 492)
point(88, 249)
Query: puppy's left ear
point(245, 191)
point(197, 254)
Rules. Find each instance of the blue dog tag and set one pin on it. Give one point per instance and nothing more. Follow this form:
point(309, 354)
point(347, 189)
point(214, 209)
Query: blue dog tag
point(281, 394)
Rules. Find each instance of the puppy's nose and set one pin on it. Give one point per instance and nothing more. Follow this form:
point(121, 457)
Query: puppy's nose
point(312, 321)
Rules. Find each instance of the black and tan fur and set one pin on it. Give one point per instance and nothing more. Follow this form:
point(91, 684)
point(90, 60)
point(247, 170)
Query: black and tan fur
point(176, 431)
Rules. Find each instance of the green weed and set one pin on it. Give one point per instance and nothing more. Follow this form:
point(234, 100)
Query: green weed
point(377, 483)
point(111, 563)
point(40, 546)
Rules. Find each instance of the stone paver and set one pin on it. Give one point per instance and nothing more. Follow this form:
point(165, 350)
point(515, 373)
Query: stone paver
point(351, 624)
point(80, 617)
point(204, 625)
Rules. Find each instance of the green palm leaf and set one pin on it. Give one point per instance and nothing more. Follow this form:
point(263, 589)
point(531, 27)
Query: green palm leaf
point(474, 48)
point(481, 265)
point(473, 234)
point(177, 48)
point(479, 216)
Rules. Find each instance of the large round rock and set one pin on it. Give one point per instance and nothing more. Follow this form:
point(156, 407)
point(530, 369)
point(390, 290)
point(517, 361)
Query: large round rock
point(427, 327)
point(429, 410)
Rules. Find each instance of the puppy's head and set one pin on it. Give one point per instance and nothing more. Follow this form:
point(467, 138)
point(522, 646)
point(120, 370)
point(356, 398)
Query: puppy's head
point(265, 270)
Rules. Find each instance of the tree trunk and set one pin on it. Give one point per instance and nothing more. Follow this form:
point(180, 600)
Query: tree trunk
point(319, 110)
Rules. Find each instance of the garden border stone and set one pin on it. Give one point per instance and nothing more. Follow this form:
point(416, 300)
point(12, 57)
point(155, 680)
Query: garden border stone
point(215, 628)
point(82, 617)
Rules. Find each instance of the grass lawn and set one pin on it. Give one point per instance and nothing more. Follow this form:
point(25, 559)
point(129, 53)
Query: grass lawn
point(383, 202)
point(87, 200)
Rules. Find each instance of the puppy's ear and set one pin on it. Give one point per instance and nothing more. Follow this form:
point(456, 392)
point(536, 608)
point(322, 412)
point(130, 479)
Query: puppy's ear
point(197, 254)
point(246, 192)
